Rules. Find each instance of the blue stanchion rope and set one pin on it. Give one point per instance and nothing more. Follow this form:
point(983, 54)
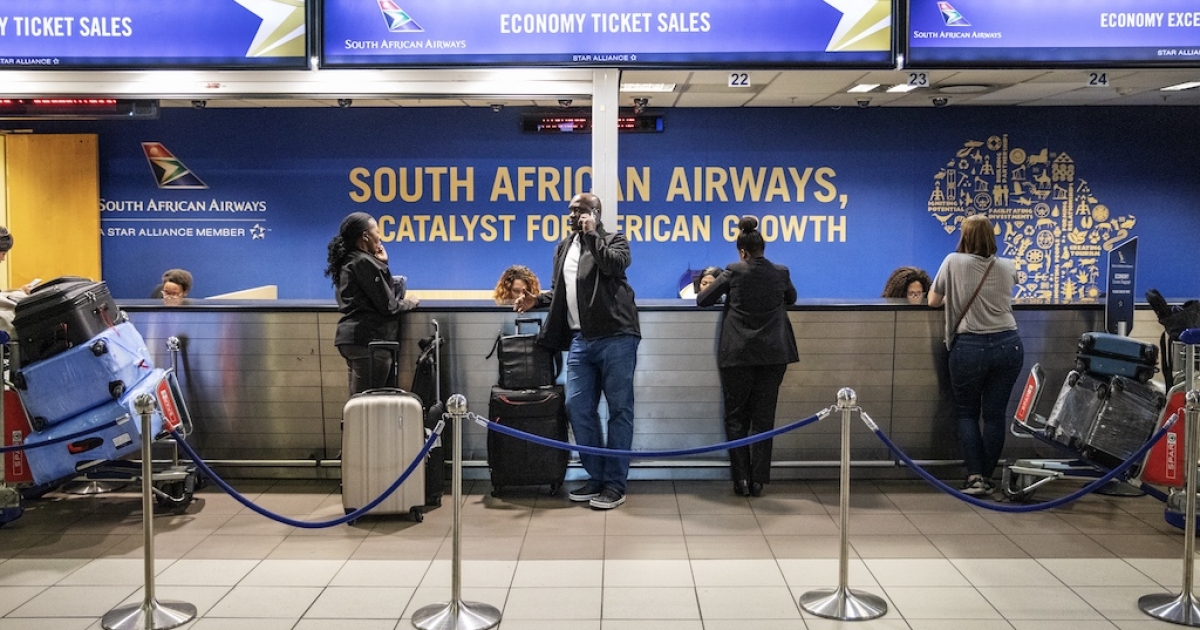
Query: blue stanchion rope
point(89, 431)
point(191, 453)
point(624, 454)
point(989, 505)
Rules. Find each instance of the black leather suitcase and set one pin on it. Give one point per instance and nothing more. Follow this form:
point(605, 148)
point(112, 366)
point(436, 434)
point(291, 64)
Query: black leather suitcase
point(516, 462)
point(62, 314)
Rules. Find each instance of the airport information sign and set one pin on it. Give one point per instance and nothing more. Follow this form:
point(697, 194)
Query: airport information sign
point(73, 34)
point(1032, 33)
point(410, 33)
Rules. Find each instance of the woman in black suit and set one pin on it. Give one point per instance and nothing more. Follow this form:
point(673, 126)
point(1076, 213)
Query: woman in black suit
point(755, 348)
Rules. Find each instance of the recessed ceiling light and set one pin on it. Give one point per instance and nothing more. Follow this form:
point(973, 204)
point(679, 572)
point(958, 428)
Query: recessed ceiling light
point(863, 87)
point(1180, 86)
point(647, 87)
point(901, 88)
point(963, 89)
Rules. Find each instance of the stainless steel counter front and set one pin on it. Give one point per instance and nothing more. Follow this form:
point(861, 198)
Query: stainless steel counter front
point(264, 381)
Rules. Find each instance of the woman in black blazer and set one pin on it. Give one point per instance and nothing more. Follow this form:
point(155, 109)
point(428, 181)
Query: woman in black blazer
point(755, 348)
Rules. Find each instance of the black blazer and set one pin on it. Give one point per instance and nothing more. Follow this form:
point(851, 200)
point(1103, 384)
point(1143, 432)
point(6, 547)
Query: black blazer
point(755, 329)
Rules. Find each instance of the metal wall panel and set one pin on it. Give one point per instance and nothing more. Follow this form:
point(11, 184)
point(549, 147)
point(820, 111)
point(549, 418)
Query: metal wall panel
point(268, 384)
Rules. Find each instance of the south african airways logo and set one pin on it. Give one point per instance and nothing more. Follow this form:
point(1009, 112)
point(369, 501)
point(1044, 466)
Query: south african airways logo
point(398, 20)
point(170, 171)
point(951, 15)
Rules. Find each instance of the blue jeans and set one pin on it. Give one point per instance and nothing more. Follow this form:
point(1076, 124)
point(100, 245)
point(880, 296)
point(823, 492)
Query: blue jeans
point(602, 365)
point(983, 370)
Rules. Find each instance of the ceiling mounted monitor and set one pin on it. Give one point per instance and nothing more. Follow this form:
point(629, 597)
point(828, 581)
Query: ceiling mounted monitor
point(612, 33)
point(1032, 33)
point(139, 34)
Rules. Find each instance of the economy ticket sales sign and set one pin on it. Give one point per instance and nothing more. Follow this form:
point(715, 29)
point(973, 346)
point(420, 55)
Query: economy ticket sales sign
point(380, 33)
point(152, 34)
point(1031, 33)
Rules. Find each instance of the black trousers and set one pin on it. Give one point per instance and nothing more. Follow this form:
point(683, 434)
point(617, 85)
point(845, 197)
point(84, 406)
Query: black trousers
point(751, 394)
point(366, 370)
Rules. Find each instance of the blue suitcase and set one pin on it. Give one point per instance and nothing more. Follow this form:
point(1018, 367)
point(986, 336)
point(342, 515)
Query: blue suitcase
point(64, 459)
point(88, 375)
point(1105, 354)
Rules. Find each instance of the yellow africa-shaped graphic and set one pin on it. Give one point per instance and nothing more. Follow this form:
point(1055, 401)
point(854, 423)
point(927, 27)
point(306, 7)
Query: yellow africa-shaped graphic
point(1046, 217)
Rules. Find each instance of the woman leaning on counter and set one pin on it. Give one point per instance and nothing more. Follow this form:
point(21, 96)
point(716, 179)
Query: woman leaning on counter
point(368, 296)
point(756, 346)
point(986, 352)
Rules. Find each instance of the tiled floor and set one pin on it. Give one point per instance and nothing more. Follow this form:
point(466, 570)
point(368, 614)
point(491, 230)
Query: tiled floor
point(680, 555)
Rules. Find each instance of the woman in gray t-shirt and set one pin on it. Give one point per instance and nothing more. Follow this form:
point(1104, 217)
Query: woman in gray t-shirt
point(986, 353)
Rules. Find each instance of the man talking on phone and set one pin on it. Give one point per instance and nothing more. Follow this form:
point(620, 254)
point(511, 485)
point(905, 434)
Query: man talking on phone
point(593, 316)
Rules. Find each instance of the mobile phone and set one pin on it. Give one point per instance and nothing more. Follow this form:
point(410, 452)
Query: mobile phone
point(34, 282)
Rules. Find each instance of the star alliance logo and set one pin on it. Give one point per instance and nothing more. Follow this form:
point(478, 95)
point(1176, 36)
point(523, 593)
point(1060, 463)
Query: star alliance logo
point(951, 15)
point(258, 232)
point(398, 21)
point(170, 171)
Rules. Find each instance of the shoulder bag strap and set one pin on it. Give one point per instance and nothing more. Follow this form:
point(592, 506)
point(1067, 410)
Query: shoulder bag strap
point(974, 295)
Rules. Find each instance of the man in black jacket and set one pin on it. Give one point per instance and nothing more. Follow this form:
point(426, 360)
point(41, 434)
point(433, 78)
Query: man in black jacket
point(593, 316)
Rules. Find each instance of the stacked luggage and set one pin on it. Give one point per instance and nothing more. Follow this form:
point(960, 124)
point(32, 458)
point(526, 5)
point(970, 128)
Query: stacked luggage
point(1107, 408)
point(526, 398)
point(82, 368)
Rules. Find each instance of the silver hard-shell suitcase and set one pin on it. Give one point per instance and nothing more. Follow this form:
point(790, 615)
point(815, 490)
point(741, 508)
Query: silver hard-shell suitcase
point(383, 430)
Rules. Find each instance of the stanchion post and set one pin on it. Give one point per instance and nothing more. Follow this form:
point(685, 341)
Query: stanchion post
point(842, 602)
point(456, 614)
point(1184, 608)
point(151, 614)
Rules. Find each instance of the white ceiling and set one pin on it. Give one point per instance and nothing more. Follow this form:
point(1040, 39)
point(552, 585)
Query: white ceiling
point(547, 87)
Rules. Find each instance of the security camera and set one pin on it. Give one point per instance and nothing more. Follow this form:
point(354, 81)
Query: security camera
point(940, 101)
point(199, 104)
point(564, 102)
point(496, 107)
point(345, 102)
point(639, 105)
point(864, 102)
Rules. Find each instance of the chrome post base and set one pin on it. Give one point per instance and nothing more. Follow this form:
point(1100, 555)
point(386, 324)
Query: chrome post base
point(1182, 609)
point(843, 603)
point(152, 615)
point(456, 615)
point(89, 487)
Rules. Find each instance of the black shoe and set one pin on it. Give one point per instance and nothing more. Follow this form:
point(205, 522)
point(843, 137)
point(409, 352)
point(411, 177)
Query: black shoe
point(756, 489)
point(741, 488)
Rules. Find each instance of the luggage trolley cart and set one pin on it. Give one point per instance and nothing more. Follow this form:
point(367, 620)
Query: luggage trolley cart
point(1021, 479)
point(174, 484)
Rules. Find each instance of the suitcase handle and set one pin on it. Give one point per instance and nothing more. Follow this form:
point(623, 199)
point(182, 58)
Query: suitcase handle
point(393, 349)
point(539, 401)
point(528, 320)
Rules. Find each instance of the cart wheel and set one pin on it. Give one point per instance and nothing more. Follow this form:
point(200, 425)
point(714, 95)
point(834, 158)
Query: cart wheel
point(8, 515)
point(1079, 366)
point(417, 515)
point(1073, 377)
point(1118, 386)
point(179, 496)
point(1103, 391)
point(1015, 488)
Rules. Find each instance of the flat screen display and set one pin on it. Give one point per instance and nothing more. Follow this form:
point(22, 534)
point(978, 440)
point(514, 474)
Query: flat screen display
point(1028, 33)
point(73, 34)
point(626, 33)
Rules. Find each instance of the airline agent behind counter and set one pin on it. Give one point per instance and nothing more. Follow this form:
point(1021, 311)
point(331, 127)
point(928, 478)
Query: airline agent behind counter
point(369, 298)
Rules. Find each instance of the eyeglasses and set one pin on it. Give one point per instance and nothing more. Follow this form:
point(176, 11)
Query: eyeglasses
point(171, 294)
point(916, 294)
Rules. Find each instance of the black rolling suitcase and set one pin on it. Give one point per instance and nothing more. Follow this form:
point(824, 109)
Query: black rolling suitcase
point(427, 384)
point(61, 314)
point(1105, 420)
point(1105, 354)
point(516, 462)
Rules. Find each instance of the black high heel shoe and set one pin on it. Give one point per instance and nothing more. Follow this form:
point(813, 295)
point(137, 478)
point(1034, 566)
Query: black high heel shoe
point(756, 489)
point(741, 488)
